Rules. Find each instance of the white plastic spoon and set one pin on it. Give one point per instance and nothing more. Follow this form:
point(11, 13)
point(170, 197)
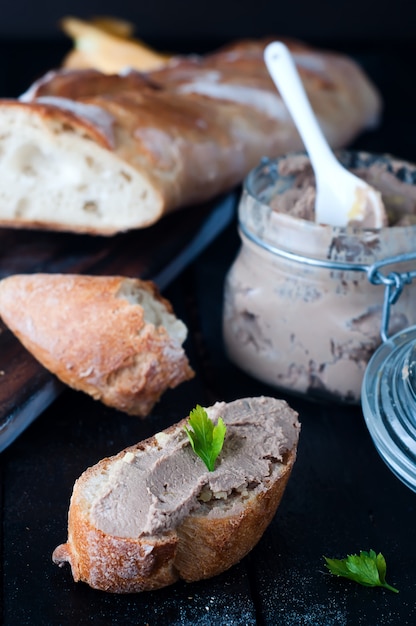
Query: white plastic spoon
point(341, 197)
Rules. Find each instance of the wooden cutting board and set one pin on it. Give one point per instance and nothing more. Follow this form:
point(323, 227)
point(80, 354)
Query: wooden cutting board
point(158, 253)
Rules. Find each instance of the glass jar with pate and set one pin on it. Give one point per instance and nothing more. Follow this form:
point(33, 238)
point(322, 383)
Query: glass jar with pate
point(303, 306)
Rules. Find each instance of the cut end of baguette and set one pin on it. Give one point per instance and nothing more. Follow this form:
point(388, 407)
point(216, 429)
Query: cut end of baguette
point(133, 527)
point(59, 171)
point(112, 337)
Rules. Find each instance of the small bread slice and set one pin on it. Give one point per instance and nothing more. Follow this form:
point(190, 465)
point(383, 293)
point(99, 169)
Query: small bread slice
point(154, 514)
point(115, 338)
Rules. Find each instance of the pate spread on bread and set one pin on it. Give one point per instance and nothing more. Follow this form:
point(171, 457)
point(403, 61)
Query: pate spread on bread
point(112, 337)
point(89, 152)
point(154, 514)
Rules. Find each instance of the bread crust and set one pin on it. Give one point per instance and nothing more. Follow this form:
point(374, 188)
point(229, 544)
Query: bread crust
point(200, 547)
point(85, 330)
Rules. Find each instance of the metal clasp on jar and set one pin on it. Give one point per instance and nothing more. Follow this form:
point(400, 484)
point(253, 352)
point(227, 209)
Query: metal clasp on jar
point(393, 282)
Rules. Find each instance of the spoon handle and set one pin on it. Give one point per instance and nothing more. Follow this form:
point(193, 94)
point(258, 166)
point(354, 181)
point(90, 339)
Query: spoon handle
point(284, 73)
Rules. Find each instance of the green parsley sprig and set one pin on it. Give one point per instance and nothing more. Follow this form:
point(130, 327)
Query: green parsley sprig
point(206, 439)
point(366, 568)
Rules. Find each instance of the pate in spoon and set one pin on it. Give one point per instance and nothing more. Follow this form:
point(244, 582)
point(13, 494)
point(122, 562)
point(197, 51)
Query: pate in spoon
point(341, 197)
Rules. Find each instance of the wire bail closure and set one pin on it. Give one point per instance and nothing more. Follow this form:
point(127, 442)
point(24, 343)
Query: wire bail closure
point(393, 282)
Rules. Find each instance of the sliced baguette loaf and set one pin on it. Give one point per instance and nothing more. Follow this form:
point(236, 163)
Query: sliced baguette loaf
point(89, 152)
point(114, 338)
point(154, 514)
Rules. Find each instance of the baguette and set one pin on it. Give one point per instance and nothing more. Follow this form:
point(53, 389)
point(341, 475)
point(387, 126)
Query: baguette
point(88, 152)
point(114, 338)
point(153, 514)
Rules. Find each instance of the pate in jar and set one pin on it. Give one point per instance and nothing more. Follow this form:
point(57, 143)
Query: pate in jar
point(303, 306)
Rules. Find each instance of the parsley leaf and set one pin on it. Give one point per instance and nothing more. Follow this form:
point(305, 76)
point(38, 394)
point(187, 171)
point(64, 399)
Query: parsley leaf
point(206, 439)
point(366, 568)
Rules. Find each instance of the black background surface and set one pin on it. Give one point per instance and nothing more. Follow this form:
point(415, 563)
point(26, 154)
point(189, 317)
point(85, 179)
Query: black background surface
point(188, 21)
point(341, 498)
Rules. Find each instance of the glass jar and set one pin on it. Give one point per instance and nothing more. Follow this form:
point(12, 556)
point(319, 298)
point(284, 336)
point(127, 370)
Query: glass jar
point(301, 312)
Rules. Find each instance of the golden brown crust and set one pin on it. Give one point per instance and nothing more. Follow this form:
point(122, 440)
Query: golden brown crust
point(116, 564)
point(88, 334)
point(200, 547)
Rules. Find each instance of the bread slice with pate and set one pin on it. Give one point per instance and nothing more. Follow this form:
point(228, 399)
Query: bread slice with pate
point(154, 514)
point(114, 338)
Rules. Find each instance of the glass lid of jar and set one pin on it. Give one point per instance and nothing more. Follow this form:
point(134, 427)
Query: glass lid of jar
point(389, 403)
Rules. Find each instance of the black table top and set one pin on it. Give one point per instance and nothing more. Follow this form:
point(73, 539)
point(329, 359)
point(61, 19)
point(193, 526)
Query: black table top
point(340, 499)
